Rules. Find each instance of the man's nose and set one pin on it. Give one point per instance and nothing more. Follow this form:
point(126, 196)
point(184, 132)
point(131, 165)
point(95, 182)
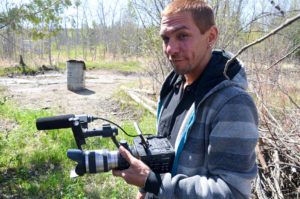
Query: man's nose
point(171, 47)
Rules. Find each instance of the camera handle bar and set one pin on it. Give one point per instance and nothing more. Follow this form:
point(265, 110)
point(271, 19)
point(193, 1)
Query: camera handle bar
point(79, 126)
point(80, 131)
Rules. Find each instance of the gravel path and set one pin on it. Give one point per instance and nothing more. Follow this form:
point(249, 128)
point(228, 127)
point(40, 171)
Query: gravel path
point(49, 91)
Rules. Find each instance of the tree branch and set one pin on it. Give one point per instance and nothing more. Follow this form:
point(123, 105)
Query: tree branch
point(282, 26)
point(290, 98)
point(285, 56)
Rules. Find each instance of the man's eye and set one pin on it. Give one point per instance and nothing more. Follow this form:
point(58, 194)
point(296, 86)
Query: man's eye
point(165, 39)
point(182, 36)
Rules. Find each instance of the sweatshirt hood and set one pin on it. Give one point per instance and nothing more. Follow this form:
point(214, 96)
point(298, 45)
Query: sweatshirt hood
point(212, 78)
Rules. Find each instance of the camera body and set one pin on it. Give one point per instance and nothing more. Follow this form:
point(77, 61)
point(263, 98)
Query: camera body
point(154, 151)
point(159, 156)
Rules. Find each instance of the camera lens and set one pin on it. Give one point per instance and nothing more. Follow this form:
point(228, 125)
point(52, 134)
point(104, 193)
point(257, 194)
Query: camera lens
point(97, 161)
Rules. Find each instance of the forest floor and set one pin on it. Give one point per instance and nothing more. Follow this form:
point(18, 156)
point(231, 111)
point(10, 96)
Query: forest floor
point(49, 91)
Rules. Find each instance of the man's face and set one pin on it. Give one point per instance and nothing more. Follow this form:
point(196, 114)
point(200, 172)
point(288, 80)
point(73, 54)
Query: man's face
point(185, 46)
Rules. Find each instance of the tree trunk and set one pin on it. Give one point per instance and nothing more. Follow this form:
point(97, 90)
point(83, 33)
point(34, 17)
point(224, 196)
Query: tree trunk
point(22, 64)
point(49, 51)
point(67, 39)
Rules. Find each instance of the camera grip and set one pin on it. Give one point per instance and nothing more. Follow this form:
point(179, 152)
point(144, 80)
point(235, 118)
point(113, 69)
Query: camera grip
point(122, 163)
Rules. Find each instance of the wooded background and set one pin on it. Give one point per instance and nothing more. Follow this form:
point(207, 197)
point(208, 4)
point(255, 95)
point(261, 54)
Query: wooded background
point(44, 32)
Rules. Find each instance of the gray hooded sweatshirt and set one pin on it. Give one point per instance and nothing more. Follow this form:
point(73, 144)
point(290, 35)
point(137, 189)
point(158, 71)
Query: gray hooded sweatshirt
point(215, 145)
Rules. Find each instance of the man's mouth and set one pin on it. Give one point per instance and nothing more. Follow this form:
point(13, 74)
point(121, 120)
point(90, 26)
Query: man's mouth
point(176, 60)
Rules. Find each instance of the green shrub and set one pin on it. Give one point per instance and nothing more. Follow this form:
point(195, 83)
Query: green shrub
point(33, 164)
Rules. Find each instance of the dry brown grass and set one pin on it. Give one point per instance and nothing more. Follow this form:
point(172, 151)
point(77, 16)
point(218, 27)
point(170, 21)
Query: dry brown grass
point(277, 94)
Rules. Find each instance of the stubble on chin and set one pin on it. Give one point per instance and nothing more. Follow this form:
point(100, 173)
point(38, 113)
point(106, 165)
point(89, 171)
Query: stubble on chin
point(182, 70)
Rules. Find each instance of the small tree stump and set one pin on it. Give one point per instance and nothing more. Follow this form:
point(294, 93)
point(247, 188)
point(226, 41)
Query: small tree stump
point(22, 63)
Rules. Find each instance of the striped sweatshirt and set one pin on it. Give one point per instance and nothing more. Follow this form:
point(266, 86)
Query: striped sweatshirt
point(215, 146)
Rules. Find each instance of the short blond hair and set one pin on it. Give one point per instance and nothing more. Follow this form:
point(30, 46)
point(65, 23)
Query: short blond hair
point(202, 13)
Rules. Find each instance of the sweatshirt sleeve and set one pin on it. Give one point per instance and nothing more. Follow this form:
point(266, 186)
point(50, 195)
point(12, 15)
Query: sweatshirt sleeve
point(230, 156)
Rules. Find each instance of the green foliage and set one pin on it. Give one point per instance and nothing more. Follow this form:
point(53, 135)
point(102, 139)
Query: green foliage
point(43, 15)
point(125, 66)
point(31, 161)
point(121, 66)
point(10, 19)
point(33, 164)
point(153, 39)
point(5, 71)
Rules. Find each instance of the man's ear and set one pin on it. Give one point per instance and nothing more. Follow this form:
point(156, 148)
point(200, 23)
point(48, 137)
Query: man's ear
point(213, 34)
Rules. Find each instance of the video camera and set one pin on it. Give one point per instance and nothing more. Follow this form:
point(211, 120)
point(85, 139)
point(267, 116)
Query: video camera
point(154, 151)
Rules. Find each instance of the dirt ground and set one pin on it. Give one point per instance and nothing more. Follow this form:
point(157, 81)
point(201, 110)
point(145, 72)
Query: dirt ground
point(49, 91)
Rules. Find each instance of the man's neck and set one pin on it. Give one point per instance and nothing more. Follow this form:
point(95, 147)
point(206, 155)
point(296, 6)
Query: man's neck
point(196, 73)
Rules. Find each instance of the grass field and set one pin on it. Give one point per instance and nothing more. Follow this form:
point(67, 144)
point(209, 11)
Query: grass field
point(121, 66)
point(34, 65)
point(33, 164)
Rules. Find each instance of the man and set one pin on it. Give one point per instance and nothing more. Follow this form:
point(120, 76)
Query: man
point(211, 121)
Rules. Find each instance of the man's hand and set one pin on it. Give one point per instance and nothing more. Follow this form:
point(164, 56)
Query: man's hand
point(137, 172)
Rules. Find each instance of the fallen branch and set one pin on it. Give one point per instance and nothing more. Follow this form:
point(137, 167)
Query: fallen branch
point(138, 90)
point(276, 174)
point(261, 159)
point(140, 101)
point(258, 188)
point(150, 102)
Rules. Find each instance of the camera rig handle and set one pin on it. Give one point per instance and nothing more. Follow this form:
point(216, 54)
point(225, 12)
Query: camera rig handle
point(81, 133)
point(79, 126)
point(105, 131)
point(77, 132)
